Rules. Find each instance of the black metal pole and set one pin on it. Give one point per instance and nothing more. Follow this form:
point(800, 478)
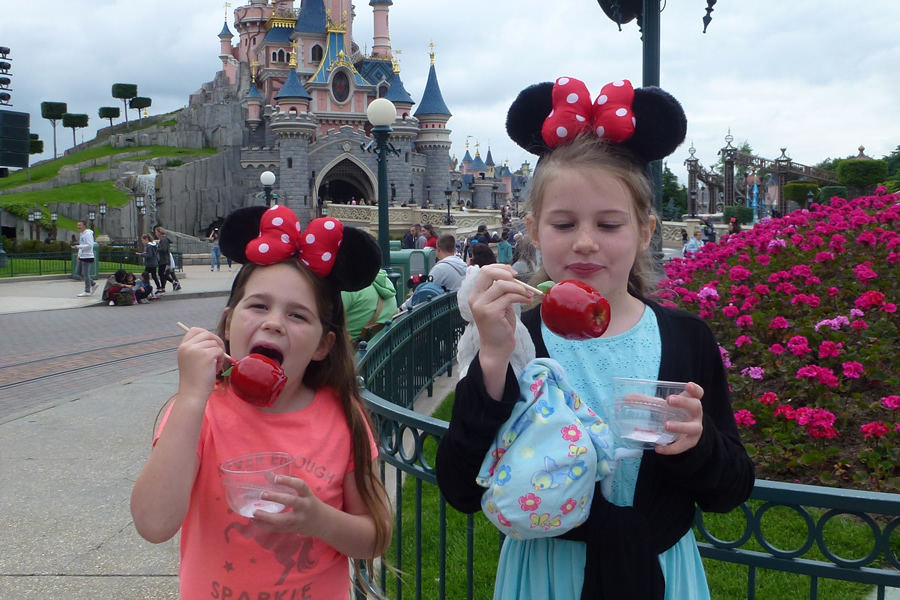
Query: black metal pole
point(381, 134)
point(650, 28)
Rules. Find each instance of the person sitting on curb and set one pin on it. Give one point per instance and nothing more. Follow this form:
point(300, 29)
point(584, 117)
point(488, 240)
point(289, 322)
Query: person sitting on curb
point(115, 283)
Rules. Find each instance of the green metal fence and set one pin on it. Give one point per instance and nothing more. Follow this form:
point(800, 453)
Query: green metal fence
point(403, 361)
point(61, 263)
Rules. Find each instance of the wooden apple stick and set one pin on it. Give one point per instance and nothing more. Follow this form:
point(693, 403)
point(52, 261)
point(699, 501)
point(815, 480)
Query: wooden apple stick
point(528, 287)
point(186, 329)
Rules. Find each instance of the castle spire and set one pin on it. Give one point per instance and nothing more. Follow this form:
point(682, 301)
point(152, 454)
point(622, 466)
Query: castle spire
point(432, 100)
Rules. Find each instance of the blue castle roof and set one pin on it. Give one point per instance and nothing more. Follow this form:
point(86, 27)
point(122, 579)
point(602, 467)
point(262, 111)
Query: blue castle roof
point(279, 35)
point(468, 157)
point(478, 164)
point(225, 30)
point(254, 91)
point(397, 93)
point(432, 100)
point(489, 161)
point(312, 17)
point(293, 88)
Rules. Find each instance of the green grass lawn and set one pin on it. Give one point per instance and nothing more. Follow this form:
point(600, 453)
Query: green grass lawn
point(781, 526)
point(50, 169)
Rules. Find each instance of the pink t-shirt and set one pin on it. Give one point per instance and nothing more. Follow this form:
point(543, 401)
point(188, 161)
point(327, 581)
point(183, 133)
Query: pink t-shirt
point(225, 555)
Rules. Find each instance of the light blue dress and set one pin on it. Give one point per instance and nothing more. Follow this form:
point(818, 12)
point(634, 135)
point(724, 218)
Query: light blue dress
point(552, 569)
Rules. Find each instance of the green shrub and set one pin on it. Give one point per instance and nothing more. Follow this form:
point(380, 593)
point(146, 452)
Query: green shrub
point(744, 214)
point(174, 162)
point(862, 172)
point(830, 191)
point(798, 191)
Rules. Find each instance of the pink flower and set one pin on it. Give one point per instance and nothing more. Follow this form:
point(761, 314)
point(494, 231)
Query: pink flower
point(745, 321)
point(730, 311)
point(889, 307)
point(853, 369)
point(859, 325)
point(824, 257)
point(753, 372)
point(833, 291)
point(881, 190)
point(529, 502)
point(829, 349)
point(783, 410)
point(864, 272)
point(875, 429)
point(570, 433)
point(744, 417)
point(726, 356)
point(761, 290)
point(777, 349)
point(569, 506)
point(742, 340)
point(869, 299)
point(779, 323)
point(739, 273)
point(799, 346)
point(763, 259)
point(769, 398)
point(891, 402)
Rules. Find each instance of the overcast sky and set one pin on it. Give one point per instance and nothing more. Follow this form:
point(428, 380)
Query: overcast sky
point(818, 77)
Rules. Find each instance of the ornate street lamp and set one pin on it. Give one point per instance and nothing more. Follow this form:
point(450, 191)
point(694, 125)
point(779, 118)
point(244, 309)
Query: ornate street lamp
point(428, 196)
point(448, 192)
point(382, 114)
point(30, 224)
point(393, 194)
point(516, 198)
point(412, 192)
point(809, 198)
point(139, 203)
point(267, 179)
point(92, 216)
point(693, 208)
point(102, 216)
point(53, 218)
point(37, 221)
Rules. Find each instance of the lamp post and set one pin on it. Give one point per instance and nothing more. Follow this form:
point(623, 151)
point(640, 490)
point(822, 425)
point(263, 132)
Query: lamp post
point(393, 194)
point(412, 192)
point(102, 216)
point(53, 217)
point(139, 203)
point(30, 224)
point(448, 192)
point(693, 207)
point(382, 114)
point(37, 221)
point(516, 198)
point(494, 189)
point(92, 216)
point(809, 198)
point(267, 179)
point(428, 196)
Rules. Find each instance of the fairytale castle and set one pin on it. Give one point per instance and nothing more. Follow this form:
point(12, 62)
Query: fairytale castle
point(295, 88)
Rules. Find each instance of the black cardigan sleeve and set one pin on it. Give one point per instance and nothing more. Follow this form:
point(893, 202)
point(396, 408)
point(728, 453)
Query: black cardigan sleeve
point(474, 422)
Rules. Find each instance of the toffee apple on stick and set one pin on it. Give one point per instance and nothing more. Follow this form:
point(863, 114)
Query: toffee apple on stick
point(574, 310)
point(255, 379)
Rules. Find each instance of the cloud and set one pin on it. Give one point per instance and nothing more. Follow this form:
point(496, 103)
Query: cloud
point(814, 77)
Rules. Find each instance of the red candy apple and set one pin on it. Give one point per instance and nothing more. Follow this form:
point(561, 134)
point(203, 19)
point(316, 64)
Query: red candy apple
point(257, 379)
point(574, 310)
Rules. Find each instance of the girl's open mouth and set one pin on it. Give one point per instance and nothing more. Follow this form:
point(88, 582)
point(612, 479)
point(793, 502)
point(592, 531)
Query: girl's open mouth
point(269, 351)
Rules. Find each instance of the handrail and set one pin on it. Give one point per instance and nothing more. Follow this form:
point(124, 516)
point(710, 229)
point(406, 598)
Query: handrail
point(404, 359)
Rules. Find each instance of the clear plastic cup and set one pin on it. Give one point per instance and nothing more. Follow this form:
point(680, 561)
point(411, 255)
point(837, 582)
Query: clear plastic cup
point(640, 411)
point(246, 477)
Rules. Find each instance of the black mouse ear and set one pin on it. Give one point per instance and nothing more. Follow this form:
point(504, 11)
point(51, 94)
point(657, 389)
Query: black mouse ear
point(357, 262)
point(660, 124)
point(526, 117)
point(239, 228)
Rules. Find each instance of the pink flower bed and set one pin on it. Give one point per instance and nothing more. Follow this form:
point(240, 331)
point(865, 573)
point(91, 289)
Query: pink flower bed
point(805, 310)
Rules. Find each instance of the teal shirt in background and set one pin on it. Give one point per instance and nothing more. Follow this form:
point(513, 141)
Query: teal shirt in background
point(504, 252)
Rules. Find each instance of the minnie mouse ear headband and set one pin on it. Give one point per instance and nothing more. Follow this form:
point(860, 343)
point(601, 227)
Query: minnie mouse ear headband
point(347, 257)
point(648, 121)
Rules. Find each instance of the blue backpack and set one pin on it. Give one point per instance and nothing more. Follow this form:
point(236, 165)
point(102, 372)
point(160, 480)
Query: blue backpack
point(424, 292)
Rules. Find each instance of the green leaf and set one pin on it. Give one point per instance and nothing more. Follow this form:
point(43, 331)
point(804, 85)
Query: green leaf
point(545, 286)
point(811, 458)
point(227, 371)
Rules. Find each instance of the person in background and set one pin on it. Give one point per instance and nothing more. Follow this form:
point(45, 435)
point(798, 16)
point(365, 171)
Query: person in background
point(524, 257)
point(374, 304)
point(85, 248)
point(143, 289)
point(215, 253)
point(450, 268)
point(734, 226)
point(504, 249)
point(409, 240)
point(684, 237)
point(694, 244)
point(166, 270)
point(482, 255)
point(482, 235)
point(431, 237)
point(115, 283)
point(421, 238)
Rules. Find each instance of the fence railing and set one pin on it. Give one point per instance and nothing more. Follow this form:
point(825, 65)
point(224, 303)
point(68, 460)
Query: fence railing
point(404, 360)
point(61, 263)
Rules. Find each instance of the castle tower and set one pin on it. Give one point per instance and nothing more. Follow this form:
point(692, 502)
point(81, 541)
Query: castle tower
point(434, 137)
point(250, 24)
point(482, 184)
point(382, 36)
point(489, 163)
point(294, 127)
point(254, 101)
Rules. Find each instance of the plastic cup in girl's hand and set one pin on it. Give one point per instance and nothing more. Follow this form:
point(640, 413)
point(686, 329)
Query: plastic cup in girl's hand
point(246, 477)
point(640, 410)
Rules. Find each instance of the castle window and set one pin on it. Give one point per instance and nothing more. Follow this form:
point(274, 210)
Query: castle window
point(340, 86)
point(274, 56)
point(281, 56)
point(382, 91)
point(316, 54)
point(290, 162)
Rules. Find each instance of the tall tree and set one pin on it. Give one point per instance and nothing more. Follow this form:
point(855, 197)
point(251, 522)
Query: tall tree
point(109, 112)
point(124, 92)
point(53, 112)
point(75, 121)
point(139, 103)
point(672, 191)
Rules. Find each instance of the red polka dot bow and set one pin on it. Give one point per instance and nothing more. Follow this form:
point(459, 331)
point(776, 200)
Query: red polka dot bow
point(610, 116)
point(280, 238)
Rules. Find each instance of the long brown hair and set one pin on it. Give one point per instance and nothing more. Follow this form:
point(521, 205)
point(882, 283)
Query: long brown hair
point(588, 154)
point(338, 372)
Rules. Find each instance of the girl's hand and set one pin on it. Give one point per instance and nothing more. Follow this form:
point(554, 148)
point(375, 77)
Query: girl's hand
point(201, 356)
point(491, 300)
point(305, 512)
point(690, 430)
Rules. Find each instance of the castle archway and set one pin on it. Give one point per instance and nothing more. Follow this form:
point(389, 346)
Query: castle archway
point(346, 180)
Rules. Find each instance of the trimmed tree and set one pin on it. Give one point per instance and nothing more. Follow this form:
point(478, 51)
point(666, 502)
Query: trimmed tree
point(139, 103)
point(53, 112)
point(798, 191)
point(124, 92)
point(75, 121)
point(862, 174)
point(109, 112)
point(35, 146)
